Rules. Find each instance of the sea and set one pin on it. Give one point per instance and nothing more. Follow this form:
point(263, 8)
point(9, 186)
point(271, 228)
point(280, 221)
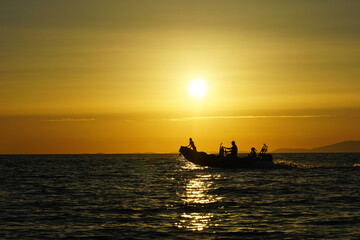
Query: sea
point(163, 196)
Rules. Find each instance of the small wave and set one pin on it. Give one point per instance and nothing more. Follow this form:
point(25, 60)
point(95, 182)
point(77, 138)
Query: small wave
point(282, 164)
point(291, 165)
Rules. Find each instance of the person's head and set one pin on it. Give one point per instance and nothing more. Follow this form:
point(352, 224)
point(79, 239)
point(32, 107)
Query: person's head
point(190, 139)
point(252, 149)
point(233, 142)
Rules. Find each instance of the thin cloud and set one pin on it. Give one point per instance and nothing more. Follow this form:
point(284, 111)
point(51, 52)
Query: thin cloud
point(69, 120)
point(249, 117)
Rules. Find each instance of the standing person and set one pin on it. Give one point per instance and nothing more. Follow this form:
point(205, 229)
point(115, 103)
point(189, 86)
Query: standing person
point(233, 150)
point(192, 144)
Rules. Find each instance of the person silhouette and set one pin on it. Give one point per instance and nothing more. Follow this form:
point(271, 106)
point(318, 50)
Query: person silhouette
point(252, 153)
point(263, 150)
point(233, 150)
point(192, 144)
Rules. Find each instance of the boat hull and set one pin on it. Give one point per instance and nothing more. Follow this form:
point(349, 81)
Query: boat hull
point(211, 160)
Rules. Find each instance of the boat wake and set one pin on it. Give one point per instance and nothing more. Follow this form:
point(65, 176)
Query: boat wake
point(281, 164)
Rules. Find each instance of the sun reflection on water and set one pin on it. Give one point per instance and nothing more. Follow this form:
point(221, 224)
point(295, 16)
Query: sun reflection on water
point(196, 196)
point(197, 191)
point(195, 221)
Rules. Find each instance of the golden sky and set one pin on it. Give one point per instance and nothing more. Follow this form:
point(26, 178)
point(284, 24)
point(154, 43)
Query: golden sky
point(113, 76)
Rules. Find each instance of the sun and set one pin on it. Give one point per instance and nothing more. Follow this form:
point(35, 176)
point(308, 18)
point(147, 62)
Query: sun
point(197, 88)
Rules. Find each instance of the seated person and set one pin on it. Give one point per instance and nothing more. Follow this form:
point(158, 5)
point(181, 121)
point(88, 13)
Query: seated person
point(264, 149)
point(233, 150)
point(252, 153)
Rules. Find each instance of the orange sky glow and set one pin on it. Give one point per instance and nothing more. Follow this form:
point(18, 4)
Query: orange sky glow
point(113, 76)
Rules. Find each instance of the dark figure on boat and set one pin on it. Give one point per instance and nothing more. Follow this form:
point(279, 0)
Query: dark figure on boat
point(230, 161)
point(233, 150)
point(221, 151)
point(252, 153)
point(263, 150)
point(192, 144)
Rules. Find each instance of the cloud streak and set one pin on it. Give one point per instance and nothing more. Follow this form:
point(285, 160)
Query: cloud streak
point(250, 117)
point(69, 120)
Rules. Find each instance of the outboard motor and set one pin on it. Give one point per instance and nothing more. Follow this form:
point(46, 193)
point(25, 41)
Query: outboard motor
point(221, 151)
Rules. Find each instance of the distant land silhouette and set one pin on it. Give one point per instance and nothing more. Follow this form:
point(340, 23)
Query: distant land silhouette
point(346, 146)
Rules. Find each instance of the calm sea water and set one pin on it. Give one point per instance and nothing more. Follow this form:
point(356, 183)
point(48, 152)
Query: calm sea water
point(164, 196)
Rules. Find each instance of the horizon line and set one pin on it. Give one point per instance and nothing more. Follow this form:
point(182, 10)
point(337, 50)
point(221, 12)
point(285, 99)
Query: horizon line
point(250, 117)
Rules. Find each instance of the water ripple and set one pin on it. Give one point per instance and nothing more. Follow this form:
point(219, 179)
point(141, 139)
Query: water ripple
point(164, 196)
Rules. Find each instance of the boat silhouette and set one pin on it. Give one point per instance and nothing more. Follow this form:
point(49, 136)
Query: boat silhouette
point(262, 160)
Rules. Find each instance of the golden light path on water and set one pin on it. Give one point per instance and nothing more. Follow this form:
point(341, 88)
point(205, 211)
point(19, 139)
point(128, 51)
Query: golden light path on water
point(196, 196)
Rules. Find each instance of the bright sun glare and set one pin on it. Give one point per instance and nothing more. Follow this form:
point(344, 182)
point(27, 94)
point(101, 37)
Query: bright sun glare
point(197, 88)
